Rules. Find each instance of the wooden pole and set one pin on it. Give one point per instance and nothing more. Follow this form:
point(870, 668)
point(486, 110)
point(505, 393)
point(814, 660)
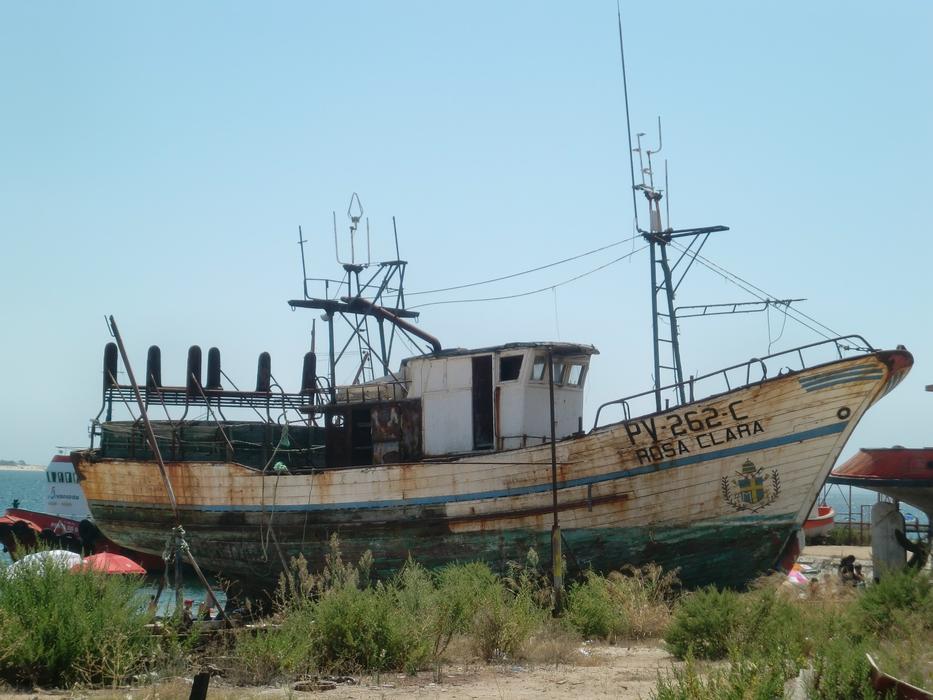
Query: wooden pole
point(556, 557)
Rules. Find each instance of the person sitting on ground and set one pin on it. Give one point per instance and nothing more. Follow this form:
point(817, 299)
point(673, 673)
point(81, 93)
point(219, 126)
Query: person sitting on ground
point(847, 571)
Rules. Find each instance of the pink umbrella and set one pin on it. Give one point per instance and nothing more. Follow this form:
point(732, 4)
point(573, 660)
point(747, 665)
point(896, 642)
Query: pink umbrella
point(109, 563)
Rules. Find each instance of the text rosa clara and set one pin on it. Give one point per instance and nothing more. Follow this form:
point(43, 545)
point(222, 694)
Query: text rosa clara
point(677, 434)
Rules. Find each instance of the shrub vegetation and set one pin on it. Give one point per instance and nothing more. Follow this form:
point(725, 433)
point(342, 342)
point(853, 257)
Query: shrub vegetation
point(60, 628)
point(773, 632)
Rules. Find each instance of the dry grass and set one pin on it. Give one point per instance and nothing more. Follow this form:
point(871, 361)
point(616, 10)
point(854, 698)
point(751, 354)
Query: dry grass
point(554, 645)
point(646, 595)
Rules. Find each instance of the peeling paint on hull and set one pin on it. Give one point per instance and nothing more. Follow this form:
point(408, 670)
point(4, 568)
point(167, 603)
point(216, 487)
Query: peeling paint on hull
point(714, 488)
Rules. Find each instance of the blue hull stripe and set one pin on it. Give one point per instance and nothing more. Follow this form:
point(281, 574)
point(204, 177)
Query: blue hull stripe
point(857, 374)
point(826, 385)
point(823, 431)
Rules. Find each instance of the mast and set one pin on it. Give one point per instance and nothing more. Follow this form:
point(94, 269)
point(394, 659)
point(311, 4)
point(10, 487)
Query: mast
point(658, 238)
point(369, 292)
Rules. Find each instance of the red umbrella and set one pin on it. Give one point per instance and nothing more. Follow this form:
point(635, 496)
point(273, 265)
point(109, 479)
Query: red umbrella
point(109, 563)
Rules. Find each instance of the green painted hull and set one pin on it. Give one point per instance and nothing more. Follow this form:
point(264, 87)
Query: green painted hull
point(729, 552)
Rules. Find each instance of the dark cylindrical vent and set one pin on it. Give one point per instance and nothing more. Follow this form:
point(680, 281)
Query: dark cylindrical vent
point(213, 369)
point(154, 367)
point(264, 373)
point(193, 378)
point(110, 365)
point(309, 374)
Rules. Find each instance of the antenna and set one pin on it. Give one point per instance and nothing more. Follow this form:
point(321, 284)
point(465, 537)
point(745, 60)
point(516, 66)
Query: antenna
point(651, 153)
point(355, 214)
point(628, 121)
point(304, 269)
point(354, 223)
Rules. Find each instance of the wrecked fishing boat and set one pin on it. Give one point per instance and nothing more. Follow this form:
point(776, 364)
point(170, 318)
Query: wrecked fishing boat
point(479, 455)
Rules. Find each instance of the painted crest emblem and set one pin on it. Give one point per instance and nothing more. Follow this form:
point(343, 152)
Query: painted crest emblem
point(751, 489)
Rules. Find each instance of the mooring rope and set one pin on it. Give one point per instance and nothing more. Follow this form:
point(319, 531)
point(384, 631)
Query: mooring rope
point(279, 469)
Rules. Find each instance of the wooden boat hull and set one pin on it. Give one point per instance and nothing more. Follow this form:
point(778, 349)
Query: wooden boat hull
point(714, 488)
point(905, 474)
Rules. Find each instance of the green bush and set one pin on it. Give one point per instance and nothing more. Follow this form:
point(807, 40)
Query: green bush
point(841, 670)
point(879, 605)
point(356, 630)
point(703, 624)
point(592, 610)
point(505, 623)
point(59, 628)
point(285, 652)
point(742, 679)
point(462, 591)
point(513, 609)
point(334, 621)
point(768, 620)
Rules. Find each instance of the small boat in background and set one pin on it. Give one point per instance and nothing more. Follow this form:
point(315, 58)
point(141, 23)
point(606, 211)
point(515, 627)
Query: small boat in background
point(66, 522)
point(819, 522)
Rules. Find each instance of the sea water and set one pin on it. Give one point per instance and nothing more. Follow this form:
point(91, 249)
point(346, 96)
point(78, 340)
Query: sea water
point(857, 506)
point(27, 486)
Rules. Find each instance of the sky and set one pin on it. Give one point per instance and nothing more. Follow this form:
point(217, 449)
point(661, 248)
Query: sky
point(157, 159)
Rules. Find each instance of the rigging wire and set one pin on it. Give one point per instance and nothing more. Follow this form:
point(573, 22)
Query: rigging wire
point(523, 272)
point(771, 341)
point(535, 291)
point(761, 294)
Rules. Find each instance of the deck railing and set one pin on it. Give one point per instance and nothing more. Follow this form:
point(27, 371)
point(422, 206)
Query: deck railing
point(744, 374)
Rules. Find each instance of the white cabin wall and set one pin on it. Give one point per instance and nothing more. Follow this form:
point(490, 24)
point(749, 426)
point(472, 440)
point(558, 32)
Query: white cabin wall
point(511, 416)
point(568, 407)
point(444, 386)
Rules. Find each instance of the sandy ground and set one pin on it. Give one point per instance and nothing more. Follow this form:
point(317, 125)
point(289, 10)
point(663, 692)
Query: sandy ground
point(617, 672)
point(835, 552)
point(626, 672)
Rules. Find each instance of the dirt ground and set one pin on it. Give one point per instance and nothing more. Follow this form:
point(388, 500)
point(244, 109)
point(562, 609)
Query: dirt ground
point(604, 671)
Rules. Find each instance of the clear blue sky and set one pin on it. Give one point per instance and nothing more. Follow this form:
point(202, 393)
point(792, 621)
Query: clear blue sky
point(157, 158)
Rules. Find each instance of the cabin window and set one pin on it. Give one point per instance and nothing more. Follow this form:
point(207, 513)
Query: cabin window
point(537, 370)
point(509, 368)
point(575, 375)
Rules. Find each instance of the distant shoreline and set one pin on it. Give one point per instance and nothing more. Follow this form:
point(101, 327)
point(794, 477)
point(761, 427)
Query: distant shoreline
point(21, 468)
